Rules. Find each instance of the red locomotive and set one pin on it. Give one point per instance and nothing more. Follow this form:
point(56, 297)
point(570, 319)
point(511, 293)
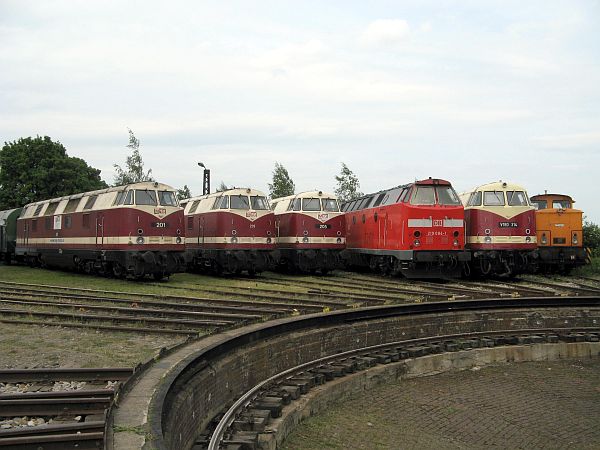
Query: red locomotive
point(229, 232)
point(501, 231)
point(310, 232)
point(134, 230)
point(416, 229)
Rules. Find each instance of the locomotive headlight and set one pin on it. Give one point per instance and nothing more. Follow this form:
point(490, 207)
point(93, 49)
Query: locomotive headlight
point(305, 239)
point(455, 242)
point(268, 240)
point(338, 240)
point(178, 240)
point(178, 232)
point(140, 240)
point(417, 242)
point(544, 239)
point(488, 240)
point(528, 239)
point(575, 240)
point(417, 234)
point(233, 240)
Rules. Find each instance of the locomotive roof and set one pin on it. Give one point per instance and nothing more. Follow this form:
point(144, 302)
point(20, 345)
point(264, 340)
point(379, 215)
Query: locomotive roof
point(425, 182)
point(557, 196)
point(305, 194)
point(497, 186)
point(234, 191)
point(5, 214)
point(142, 185)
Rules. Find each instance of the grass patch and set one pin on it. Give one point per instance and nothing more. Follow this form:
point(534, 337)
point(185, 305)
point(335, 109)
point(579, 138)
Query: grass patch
point(588, 270)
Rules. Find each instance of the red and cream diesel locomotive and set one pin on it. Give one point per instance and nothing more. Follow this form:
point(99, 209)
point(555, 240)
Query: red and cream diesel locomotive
point(416, 229)
point(229, 232)
point(310, 232)
point(501, 230)
point(134, 230)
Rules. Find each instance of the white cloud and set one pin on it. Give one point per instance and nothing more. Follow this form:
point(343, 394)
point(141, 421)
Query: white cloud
point(385, 32)
point(572, 140)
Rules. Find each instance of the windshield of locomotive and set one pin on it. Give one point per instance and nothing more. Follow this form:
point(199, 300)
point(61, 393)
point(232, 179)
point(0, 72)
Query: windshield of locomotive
point(447, 196)
point(167, 198)
point(239, 202)
point(516, 198)
point(145, 197)
point(423, 195)
point(493, 198)
point(561, 204)
point(330, 204)
point(259, 203)
point(311, 204)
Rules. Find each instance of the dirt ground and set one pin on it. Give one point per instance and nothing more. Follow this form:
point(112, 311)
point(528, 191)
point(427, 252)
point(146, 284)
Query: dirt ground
point(33, 346)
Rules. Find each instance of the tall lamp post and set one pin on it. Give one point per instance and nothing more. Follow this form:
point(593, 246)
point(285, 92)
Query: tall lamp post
point(206, 182)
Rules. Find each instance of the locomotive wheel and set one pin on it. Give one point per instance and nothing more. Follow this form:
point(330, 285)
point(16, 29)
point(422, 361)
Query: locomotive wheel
point(158, 276)
point(118, 270)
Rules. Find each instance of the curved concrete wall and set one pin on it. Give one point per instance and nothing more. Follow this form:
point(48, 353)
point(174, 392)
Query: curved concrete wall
point(200, 391)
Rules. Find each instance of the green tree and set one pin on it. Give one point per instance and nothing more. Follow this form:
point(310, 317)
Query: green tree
point(282, 183)
point(134, 165)
point(222, 187)
point(591, 236)
point(184, 192)
point(347, 185)
point(33, 169)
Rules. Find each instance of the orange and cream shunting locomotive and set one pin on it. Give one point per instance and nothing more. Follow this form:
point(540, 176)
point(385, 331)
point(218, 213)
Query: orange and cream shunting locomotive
point(500, 229)
point(559, 233)
point(416, 230)
point(229, 232)
point(310, 232)
point(134, 230)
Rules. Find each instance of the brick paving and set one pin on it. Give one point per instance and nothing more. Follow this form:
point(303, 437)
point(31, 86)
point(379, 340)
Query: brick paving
point(548, 405)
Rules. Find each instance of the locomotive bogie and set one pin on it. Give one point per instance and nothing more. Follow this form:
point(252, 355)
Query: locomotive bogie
point(134, 230)
point(229, 232)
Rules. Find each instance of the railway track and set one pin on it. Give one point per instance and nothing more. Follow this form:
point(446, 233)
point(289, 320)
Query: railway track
point(86, 408)
point(241, 424)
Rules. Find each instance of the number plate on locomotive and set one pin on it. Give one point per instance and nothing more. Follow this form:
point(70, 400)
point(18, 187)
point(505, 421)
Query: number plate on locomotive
point(160, 225)
point(322, 226)
point(508, 224)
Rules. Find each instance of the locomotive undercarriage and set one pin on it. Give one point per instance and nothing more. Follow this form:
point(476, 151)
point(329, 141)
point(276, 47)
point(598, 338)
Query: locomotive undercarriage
point(118, 264)
point(219, 262)
point(562, 259)
point(500, 263)
point(410, 264)
point(308, 260)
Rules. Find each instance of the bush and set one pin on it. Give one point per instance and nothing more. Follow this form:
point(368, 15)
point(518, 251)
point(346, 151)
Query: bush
point(591, 237)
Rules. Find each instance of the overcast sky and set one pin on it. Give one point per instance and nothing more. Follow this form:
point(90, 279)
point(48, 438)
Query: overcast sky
point(470, 91)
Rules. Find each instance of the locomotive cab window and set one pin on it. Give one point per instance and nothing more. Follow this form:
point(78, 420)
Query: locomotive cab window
point(239, 202)
point(259, 203)
point(561, 204)
point(493, 198)
point(330, 204)
point(224, 202)
point(404, 195)
point(145, 197)
point(392, 196)
point(167, 198)
point(446, 196)
point(129, 198)
point(119, 198)
point(540, 204)
point(423, 195)
point(475, 199)
point(516, 198)
point(311, 204)
point(296, 205)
